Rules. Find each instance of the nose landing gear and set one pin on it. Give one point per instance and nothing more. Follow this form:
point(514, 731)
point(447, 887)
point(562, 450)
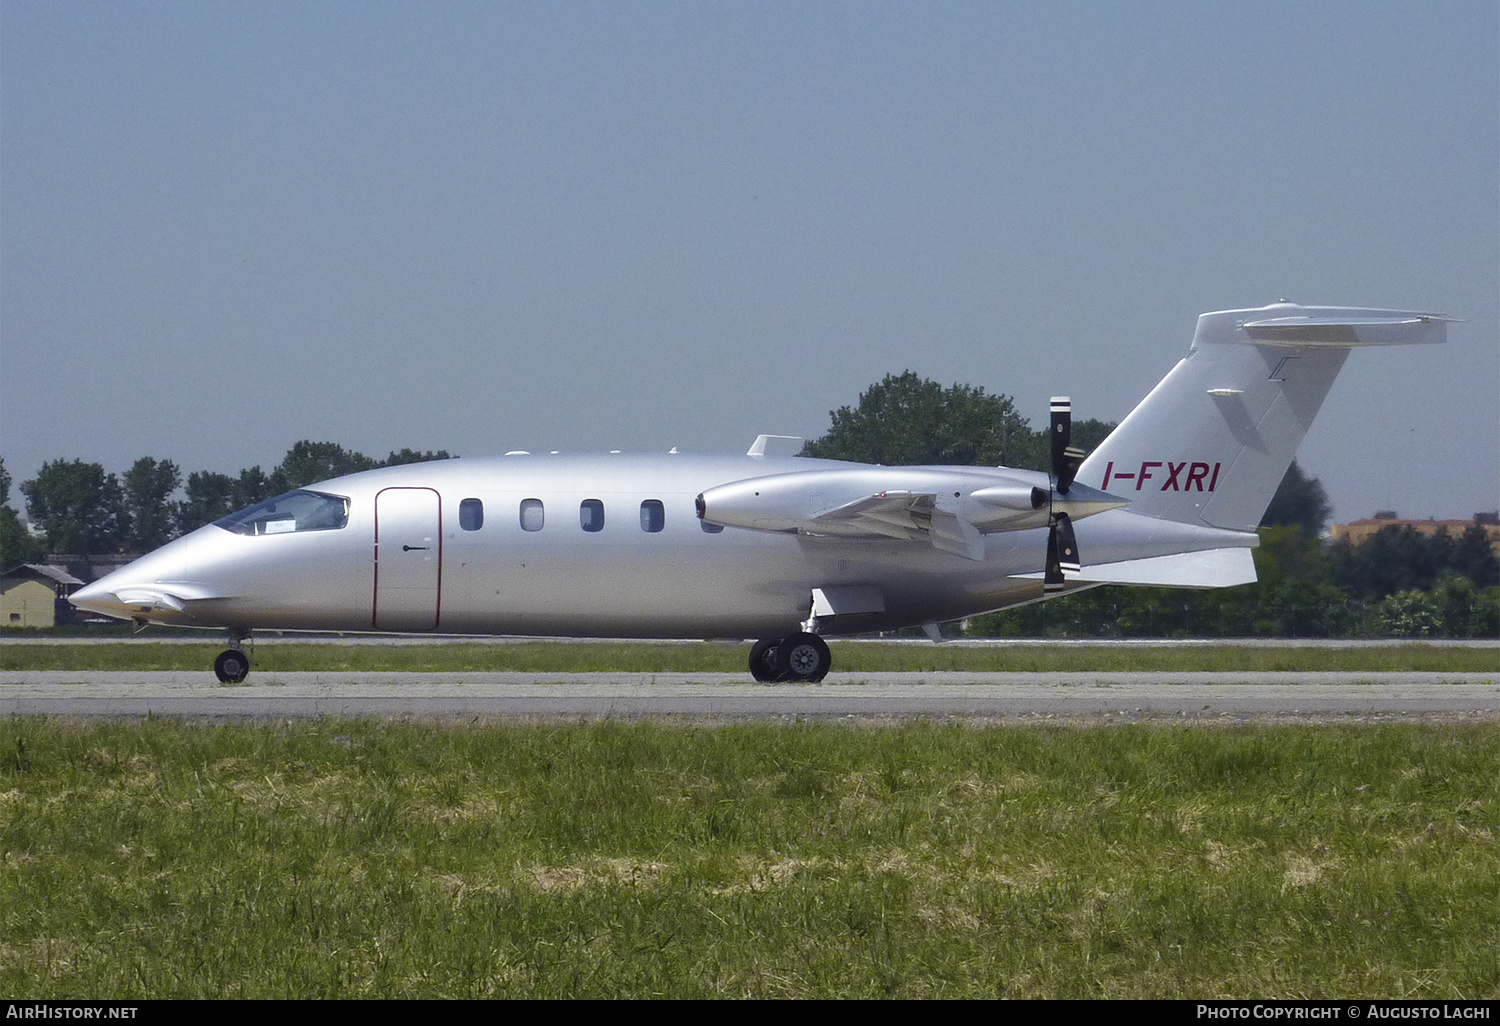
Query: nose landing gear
point(233, 665)
point(801, 657)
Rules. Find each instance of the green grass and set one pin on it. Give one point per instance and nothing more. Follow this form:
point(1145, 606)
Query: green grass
point(381, 859)
point(647, 657)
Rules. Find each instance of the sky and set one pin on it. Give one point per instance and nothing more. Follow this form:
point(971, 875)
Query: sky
point(226, 227)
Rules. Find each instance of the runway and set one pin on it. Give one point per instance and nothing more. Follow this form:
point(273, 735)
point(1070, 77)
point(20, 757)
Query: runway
point(1088, 696)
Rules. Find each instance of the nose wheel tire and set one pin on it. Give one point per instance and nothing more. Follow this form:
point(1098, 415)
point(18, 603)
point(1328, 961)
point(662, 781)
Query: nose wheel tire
point(232, 666)
point(803, 657)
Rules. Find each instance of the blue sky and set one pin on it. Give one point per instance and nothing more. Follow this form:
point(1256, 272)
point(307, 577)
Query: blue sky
point(490, 226)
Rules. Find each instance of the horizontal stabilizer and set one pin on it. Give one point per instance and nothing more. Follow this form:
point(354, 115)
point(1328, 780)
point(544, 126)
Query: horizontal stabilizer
point(1287, 324)
point(1345, 326)
point(1212, 568)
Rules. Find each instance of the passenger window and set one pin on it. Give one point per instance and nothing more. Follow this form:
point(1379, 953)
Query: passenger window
point(532, 514)
point(710, 528)
point(471, 514)
point(591, 515)
point(653, 516)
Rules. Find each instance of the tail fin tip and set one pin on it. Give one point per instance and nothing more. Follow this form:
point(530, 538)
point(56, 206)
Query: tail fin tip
point(1288, 324)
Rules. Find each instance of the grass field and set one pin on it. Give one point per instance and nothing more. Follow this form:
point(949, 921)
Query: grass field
point(647, 657)
point(382, 859)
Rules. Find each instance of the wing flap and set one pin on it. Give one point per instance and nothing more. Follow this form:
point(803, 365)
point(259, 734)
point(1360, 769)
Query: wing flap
point(892, 504)
point(908, 516)
point(954, 534)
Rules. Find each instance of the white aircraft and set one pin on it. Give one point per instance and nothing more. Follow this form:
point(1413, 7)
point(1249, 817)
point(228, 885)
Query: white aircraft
point(770, 544)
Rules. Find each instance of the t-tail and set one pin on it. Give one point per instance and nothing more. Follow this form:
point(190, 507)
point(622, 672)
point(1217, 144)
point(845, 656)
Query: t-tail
point(1210, 444)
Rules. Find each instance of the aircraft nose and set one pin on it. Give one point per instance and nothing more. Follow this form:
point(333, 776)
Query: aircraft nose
point(129, 598)
point(96, 597)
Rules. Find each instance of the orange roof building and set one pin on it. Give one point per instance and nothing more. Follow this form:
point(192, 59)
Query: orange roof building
point(1359, 531)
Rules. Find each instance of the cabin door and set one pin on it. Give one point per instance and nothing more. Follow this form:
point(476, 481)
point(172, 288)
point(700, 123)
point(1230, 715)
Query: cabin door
point(408, 559)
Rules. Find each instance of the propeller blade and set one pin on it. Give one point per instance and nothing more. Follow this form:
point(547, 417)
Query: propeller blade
point(1052, 578)
point(1062, 430)
point(1062, 543)
point(1062, 553)
point(1067, 544)
point(1065, 459)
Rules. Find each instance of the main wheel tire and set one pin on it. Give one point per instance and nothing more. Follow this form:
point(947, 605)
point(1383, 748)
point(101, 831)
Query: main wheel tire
point(803, 657)
point(763, 665)
point(231, 667)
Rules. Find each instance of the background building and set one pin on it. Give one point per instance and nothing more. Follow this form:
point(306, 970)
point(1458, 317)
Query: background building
point(1359, 531)
point(36, 595)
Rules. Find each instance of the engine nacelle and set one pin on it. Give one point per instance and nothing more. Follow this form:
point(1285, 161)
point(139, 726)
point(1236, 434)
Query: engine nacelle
point(891, 501)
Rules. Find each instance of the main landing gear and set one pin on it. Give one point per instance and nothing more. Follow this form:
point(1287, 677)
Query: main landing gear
point(801, 657)
point(233, 665)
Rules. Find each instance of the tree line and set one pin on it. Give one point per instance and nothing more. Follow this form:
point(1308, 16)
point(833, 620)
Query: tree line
point(81, 509)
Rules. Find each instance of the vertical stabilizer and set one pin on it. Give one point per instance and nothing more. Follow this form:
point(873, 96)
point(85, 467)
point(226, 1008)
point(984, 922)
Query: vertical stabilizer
point(1211, 442)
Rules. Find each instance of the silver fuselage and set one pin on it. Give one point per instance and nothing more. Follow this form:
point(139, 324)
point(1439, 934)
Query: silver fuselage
point(415, 568)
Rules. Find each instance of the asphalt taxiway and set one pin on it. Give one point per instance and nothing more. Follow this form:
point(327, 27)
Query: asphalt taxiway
point(1260, 696)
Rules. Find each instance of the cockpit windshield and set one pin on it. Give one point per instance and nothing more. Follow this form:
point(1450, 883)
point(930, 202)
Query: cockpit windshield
point(294, 511)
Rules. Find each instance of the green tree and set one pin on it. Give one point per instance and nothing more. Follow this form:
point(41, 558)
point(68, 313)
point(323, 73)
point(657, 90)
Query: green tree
point(1288, 553)
point(1486, 613)
point(16, 543)
point(149, 485)
point(1407, 614)
point(250, 487)
point(309, 461)
point(1394, 559)
point(79, 507)
point(210, 495)
point(1300, 501)
point(1087, 435)
point(907, 419)
point(1473, 557)
point(1459, 605)
point(405, 456)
